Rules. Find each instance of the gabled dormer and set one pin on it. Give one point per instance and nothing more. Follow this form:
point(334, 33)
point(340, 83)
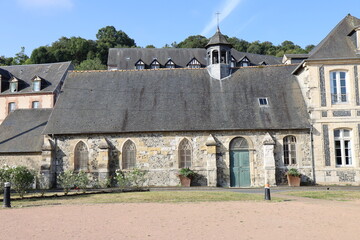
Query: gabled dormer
point(194, 63)
point(139, 65)
point(170, 64)
point(14, 84)
point(244, 62)
point(218, 56)
point(155, 64)
point(36, 83)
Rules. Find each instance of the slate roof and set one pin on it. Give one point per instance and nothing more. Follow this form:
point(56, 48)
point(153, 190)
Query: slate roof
point(21, 131)
point(51, 73)
point(178, 100)
point(126, 58)
point(338, 43)
point(218, 39)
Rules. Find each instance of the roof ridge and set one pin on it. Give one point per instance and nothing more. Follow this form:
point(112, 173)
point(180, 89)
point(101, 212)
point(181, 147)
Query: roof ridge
point(135, 70)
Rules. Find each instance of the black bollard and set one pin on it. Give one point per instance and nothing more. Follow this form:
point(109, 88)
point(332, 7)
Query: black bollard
point(267, 192)
point(7, 202)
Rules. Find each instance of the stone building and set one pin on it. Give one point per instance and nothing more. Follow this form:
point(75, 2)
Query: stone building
point(238, 119)
point(329, 78)
point(229, 124)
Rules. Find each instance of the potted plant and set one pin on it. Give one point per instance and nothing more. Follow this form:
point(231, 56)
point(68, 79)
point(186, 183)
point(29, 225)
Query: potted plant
point(293, 177)
point(185, 175)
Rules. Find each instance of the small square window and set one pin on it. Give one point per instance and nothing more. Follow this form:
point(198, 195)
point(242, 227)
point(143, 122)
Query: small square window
point(263, 102)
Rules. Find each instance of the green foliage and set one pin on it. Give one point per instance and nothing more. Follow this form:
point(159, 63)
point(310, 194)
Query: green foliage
point(187, 172)
point(20, 57)
point(67, 180)
point(150, 46)
point(293, 172)
point(82, 180)
point(197, 41)
point(131, 178)
point(20, 177)
point(91, 64)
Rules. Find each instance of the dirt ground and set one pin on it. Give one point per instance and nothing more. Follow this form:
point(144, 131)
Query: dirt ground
point(296, 219)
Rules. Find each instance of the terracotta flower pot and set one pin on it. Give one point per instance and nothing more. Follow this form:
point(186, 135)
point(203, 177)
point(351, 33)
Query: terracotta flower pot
point(293, 181)
point(185, 181)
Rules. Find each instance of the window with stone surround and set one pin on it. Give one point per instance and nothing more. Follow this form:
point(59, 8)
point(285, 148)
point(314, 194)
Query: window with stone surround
point(11, 107)
point(81, 157)
point(185, 154)
point(342, 138)
point(339, 91)
point(128, 155)
point(289, 149)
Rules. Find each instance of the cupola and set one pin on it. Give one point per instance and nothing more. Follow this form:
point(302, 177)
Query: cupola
point(218, 56)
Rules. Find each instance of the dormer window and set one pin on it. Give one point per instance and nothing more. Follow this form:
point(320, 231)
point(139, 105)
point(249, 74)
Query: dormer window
point(357, 38)
point(139, 65)
point(194, 64)
point(245, 62)
point(155, 64)
point(170, 64)
point(36, 84)
point(14, 85)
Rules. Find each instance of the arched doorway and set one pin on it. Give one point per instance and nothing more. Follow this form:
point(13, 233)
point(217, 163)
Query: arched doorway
point(239, 163)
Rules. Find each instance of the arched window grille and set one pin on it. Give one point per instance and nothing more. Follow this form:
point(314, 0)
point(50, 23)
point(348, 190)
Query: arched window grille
point(185, 154)
point(128, 155)
point(81, 157)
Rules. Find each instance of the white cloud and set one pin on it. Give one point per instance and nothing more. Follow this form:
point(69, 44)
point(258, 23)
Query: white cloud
point(68, 4)
point(228, 7)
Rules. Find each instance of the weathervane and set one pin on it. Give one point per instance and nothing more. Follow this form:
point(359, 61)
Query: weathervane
point(218, 13)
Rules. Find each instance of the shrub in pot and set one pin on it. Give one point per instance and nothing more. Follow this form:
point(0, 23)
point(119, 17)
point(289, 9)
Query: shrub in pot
point(185, 175)
point(293, 177)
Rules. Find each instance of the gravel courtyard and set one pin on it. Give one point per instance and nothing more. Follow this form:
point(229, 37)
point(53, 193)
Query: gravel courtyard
point(299, 218)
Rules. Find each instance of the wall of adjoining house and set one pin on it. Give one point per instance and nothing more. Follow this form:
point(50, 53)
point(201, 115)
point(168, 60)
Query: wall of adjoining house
point(326, 117)
point(158, 154)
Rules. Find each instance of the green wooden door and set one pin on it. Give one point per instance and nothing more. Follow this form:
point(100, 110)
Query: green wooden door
point(239, 168)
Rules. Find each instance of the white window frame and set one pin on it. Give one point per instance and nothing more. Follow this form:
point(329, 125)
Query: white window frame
point(289, 150)
point(36, 85)
point(343, 145)
point(35, 104)
point(338, 84)
point(11, 107)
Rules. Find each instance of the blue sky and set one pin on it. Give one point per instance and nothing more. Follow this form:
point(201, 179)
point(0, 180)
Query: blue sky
point(34, 23)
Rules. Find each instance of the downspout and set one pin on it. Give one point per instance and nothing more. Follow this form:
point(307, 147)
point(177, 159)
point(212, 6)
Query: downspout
point(312, 152)
point(54, 160)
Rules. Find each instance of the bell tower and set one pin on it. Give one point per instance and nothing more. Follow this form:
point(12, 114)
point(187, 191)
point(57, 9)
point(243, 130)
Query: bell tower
point(218, 52)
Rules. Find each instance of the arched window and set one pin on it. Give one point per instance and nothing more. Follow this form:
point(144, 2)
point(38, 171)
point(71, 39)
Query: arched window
point(185, 154)
point(128, 155)
point(289, 148)
point(343, 154)
point(81, 158)
point(239, 143)
point(215, 57)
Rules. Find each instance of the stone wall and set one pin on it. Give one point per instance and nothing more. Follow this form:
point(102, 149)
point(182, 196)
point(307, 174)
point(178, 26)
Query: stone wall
point(158, 154)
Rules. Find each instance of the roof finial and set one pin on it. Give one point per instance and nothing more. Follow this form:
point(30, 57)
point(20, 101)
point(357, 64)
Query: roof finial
point(218, 28)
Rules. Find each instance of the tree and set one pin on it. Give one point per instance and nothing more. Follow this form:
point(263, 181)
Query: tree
point(310, 47)
point(197, 41)
point(4, 61)
point(42, 55)
point(239, 44)
point(91, 64)
point(255, 47)
point(109, 37)
point(150, 46)
point(20, 57)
